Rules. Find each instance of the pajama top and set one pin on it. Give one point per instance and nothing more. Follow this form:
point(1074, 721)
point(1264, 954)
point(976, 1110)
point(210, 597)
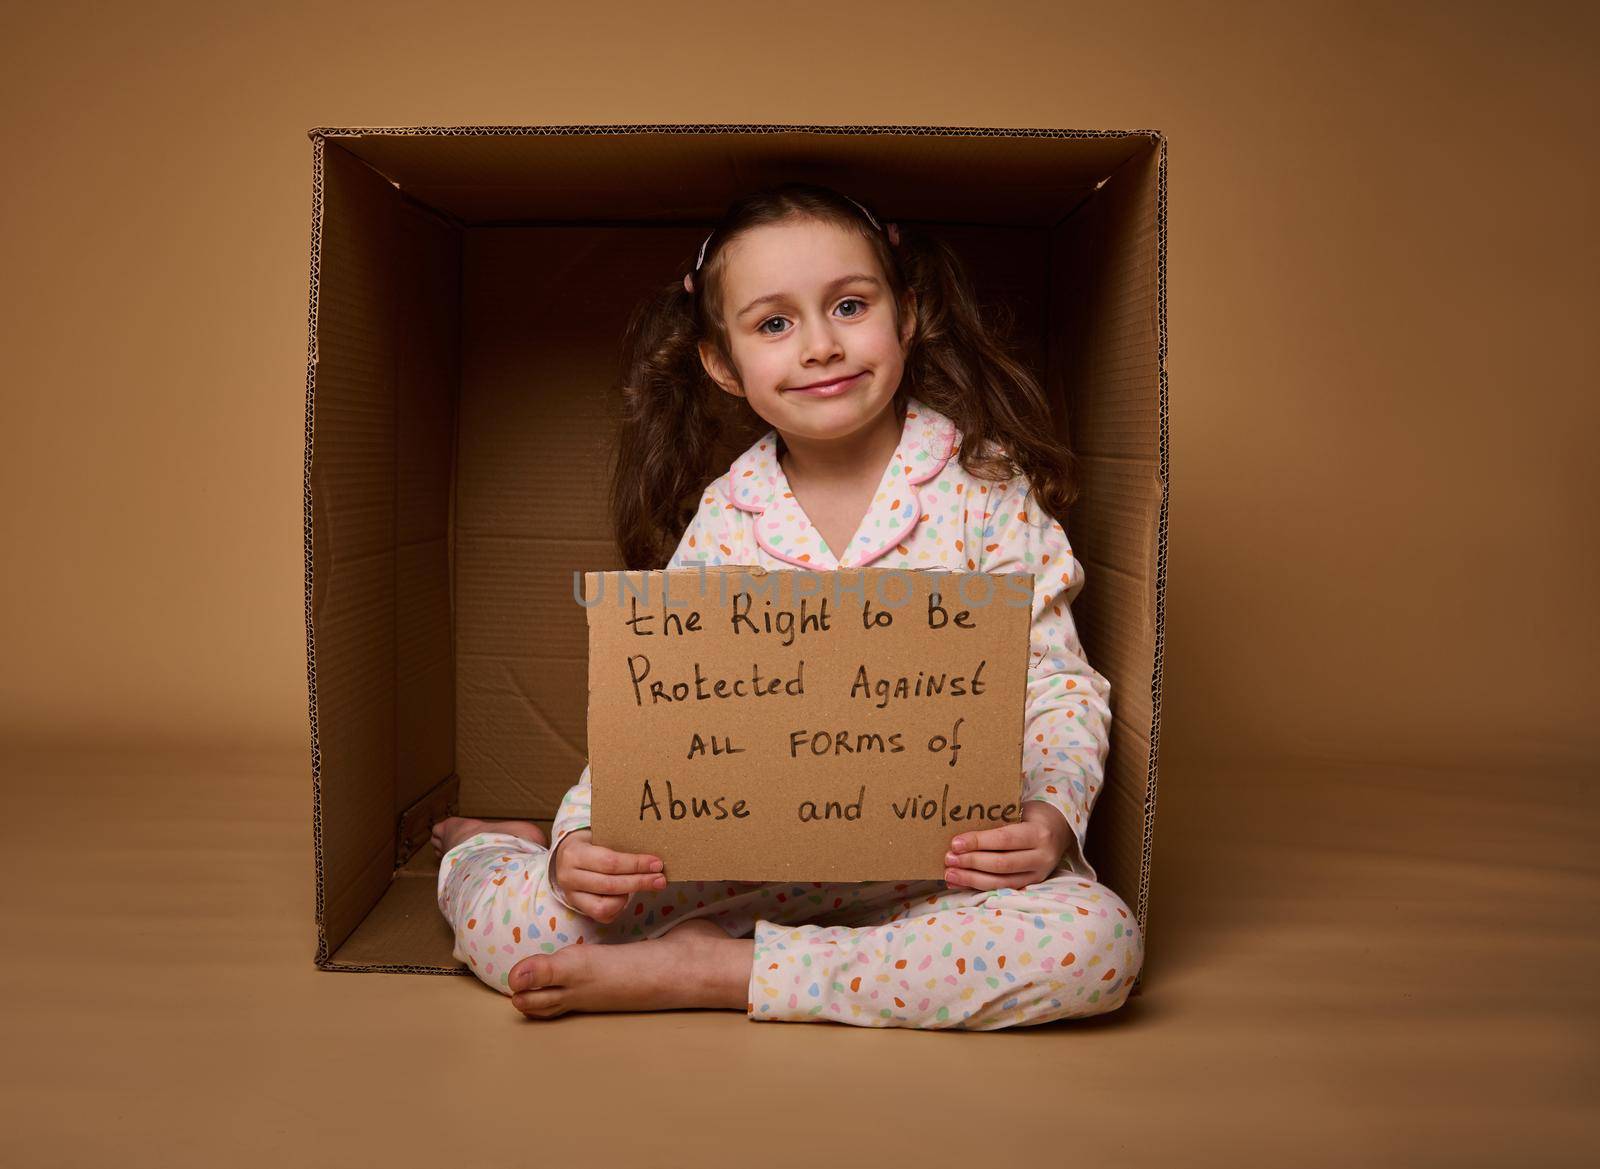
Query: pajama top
point(927, 513)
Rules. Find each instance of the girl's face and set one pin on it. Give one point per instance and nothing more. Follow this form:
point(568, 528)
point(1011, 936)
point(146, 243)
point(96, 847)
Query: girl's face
point(806, 302)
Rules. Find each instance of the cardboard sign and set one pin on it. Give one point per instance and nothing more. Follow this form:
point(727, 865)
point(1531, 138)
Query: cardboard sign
point(748, 725)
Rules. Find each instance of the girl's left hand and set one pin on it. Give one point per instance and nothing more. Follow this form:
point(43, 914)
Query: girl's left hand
point(1012, 856)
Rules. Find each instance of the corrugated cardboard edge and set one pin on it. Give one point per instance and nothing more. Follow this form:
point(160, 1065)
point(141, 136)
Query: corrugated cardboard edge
point(319, 132)
point(319, 136)
point(318, 150)
point(1142, 909)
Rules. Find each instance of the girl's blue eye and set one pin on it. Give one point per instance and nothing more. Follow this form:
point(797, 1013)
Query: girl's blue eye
point(762, 327)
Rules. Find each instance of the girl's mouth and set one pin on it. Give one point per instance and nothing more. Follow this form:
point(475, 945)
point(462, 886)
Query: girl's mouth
point(831, 390)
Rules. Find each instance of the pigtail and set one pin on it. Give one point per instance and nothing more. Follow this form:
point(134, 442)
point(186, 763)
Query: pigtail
point(669, 432)
point(958, 362)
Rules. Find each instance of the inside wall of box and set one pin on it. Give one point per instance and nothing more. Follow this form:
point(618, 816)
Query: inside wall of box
point(469, 293)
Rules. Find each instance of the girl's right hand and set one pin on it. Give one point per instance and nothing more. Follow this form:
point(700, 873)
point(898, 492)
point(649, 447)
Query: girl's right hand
point(598, 881)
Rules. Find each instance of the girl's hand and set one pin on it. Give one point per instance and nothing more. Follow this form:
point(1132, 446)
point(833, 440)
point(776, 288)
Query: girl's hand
point(597, 881)
point(1012, 856)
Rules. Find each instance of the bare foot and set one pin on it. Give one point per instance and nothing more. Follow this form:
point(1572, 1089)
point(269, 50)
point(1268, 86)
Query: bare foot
point(452, 830)
point(693, 965)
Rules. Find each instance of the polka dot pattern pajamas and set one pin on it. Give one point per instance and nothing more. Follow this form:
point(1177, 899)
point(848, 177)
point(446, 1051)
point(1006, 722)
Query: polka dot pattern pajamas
point(879, 954)
point(871, 953)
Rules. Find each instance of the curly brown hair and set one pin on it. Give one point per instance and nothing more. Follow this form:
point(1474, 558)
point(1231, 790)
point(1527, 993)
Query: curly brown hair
point(675, 421)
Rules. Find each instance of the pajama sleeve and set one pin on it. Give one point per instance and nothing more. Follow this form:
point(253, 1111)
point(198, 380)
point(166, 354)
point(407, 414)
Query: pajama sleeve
point(1066, 736)
point(710, 539)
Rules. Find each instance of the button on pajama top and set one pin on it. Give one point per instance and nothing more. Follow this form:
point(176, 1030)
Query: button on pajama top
point(876, 954)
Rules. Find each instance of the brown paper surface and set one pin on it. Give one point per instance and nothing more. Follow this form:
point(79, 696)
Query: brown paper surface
point(839, 726)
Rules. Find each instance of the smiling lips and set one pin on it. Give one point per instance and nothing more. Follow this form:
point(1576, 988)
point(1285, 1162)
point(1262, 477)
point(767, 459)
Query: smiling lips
point(827, 389)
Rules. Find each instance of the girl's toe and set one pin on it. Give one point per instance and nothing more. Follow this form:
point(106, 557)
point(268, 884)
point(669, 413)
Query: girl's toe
point(535, 972)
point(539, 1004)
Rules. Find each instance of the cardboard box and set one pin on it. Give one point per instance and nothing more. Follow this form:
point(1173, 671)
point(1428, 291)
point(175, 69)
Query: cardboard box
point(469, 286)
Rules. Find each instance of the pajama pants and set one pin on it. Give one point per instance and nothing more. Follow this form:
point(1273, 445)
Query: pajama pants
point(873, 954)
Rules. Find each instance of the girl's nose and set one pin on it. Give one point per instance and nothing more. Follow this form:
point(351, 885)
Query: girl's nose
point(821, 342)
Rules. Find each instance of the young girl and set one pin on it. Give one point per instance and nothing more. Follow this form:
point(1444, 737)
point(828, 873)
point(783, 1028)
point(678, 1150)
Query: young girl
point(902, 436)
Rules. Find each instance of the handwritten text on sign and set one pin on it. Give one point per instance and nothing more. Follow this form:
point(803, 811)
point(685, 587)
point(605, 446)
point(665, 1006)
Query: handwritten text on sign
point(748, 725)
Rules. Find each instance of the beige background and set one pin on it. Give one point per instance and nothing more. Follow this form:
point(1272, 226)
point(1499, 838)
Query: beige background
point(1372, 923)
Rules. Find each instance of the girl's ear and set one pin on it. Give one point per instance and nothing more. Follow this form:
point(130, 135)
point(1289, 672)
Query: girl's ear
point(717, 371)
point(910, 326)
